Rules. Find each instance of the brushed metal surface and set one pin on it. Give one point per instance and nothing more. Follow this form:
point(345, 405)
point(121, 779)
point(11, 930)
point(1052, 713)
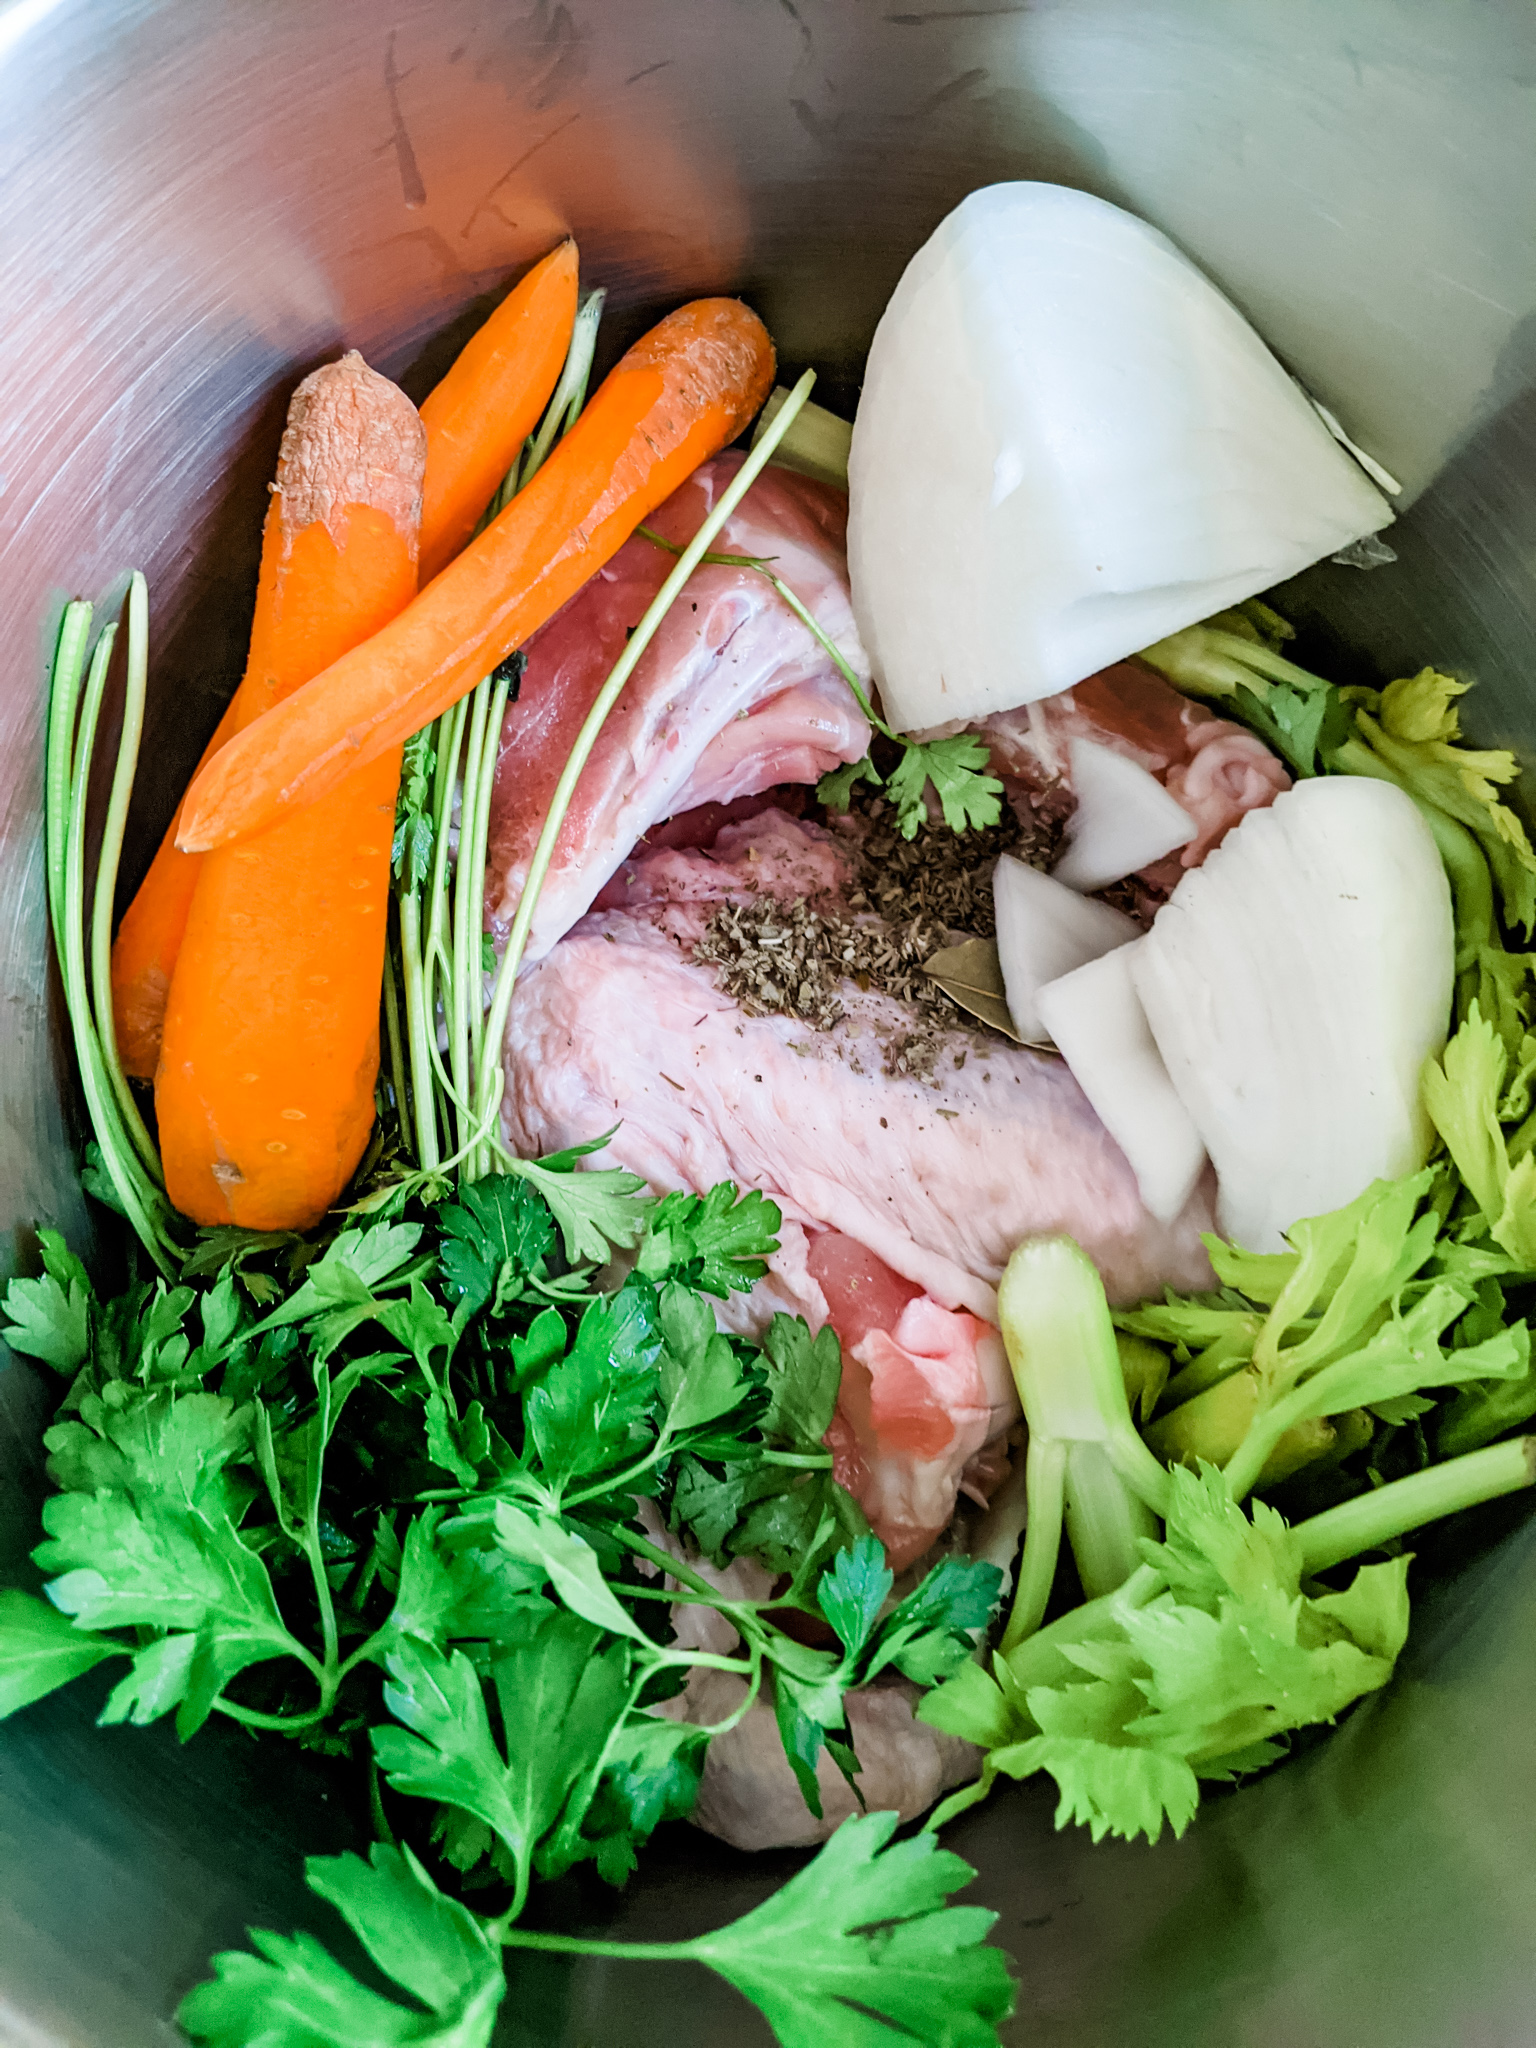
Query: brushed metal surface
point(198, 202)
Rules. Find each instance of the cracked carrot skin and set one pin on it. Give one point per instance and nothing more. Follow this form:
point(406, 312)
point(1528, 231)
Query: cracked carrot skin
point(265, 1087)
point(479, 416)
point(682, 393)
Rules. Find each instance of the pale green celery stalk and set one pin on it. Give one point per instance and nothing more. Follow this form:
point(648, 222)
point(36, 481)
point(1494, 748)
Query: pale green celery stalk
point(1391, 1511)
point(1086, 1464)
point(1214, 1425)
point(135, 689)
point(1207, 661)
point(1208, 1368)
point(489, 1079)
point(63, 709)
point(570, 394)
point(142, 1201)
point(817, 445)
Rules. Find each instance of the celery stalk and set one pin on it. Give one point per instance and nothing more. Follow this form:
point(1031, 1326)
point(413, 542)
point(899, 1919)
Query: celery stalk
point(1086, 1466)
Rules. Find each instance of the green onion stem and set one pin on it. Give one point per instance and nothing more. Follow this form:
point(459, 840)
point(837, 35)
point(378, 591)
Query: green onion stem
point(135, 689)
point(1372, 1519)
point(490, 1080)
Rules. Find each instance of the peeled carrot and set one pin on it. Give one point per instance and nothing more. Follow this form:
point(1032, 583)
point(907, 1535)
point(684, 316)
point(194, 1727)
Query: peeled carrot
point(264, 1092)
point(490, 402)
point(476, 421)
point(680, 395)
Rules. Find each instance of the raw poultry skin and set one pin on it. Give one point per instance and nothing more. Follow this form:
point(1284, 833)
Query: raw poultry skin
point(939, 1178)
point(732, 697)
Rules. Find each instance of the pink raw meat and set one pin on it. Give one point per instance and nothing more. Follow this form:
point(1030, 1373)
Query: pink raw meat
point(924, 1390)
point(1217, 770)
point(939, 1177)
point(733, 695)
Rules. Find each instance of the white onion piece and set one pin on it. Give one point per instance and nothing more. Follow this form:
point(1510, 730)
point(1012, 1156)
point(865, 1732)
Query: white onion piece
point(1069, 445)
point(1296, 984)
point(1045, 930)
point(1097, 1021)
point(1124, 820)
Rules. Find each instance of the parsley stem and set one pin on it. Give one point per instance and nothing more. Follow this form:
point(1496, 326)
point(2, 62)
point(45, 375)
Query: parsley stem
point(135, 689)
point(810, 1461)
point(806, 617)
point(142, 1201)
point(63, 706)
point(490, 1078)
point(570, 394)
point(577, 1945)
point(395, 1043)
point(418, 1025)
point(281, 1724)
point(677, 1568)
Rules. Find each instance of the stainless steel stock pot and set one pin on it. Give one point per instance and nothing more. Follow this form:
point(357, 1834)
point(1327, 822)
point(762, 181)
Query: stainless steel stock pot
point(200, 200)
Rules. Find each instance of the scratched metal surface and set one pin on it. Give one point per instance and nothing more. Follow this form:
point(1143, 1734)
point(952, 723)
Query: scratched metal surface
point(199, 202)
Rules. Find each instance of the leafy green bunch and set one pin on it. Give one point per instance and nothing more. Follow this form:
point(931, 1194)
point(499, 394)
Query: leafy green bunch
point(463, 1586)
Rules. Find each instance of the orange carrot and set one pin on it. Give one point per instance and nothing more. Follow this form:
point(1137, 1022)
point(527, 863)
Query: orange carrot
point(149, 937)
point(490, 402)
point(264, 1092)
point(476, 420)
point(680, 395)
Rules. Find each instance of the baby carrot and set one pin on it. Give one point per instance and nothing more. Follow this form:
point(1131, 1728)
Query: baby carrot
point(264, 1092)
point(685, 391)
point(490, 402)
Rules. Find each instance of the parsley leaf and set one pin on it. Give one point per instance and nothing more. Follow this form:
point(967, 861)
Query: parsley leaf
point(411, 851)
point(40, 1650)
point(595, 1209)
point(854, 1589)
point(496, 1234)
point(835, 789)
point(863, 1935)
point(560, 1697)
point(592, 1408)
point(712, 1242)
point(49, 1318)
point(296, 1996)
point(956, 766)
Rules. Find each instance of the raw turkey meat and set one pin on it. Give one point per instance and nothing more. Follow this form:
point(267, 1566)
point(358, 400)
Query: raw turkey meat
point(940, 1176)
point(1217, 770)
point(933, 1179)
point(733, 696)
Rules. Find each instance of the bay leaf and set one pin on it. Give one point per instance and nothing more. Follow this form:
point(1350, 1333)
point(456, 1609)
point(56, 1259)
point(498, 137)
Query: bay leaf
point(973, 976)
